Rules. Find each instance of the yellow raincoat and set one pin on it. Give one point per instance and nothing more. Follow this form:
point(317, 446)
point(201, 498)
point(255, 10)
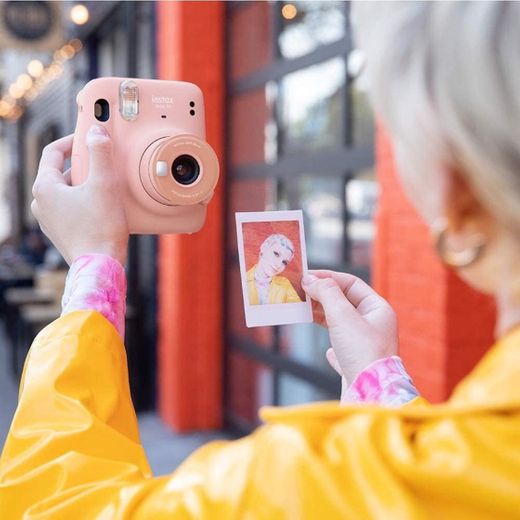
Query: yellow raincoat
point(73, 451)
point(281, 290)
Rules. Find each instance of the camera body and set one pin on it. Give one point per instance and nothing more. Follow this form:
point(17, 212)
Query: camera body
point(166, 171)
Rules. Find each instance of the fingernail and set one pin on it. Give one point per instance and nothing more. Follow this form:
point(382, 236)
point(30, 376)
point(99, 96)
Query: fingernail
point(97, 130)
point(308, 279)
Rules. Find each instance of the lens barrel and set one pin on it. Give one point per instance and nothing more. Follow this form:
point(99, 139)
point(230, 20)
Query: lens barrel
point(185, 170)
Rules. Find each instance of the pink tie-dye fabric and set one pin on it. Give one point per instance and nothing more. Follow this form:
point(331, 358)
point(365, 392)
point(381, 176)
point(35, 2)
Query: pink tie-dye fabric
point(97, 282)
point(384, 382)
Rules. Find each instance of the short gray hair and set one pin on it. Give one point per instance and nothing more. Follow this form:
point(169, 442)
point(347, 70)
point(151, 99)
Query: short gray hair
point(280, 239)
point(445, 79)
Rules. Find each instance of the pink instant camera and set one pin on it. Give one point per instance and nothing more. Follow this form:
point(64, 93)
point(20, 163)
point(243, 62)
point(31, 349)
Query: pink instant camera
point(167, 172)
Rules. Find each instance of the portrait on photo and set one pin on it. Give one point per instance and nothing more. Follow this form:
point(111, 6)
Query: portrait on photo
point(272, 262)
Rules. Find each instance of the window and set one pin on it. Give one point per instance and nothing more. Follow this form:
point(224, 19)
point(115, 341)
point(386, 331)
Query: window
point(300, 136)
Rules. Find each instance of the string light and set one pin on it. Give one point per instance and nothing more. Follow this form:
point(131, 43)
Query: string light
point(76, 44)
point(27, 89)
point(35, 68)
point(15, 113)
point(5, 107)
point(79, 14)
point(15, 91)
point(60, 56)
point(24, 82)
point(68, 50)
point(289, 11)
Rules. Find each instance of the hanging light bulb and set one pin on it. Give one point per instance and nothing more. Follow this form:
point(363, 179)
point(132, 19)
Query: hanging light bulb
point(289, 11)
point(24, 81)
point(79, 14)
point(15, 91)
point(35, 68)
point(76, 44)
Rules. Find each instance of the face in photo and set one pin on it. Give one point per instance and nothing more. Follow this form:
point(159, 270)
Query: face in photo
point(275, 255)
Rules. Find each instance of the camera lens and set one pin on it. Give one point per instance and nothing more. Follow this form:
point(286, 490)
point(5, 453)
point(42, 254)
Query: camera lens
point(185, 170)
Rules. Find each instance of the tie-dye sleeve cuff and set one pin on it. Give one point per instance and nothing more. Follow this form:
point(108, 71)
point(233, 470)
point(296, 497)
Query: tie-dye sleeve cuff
point(97, 282)
point(384, 382)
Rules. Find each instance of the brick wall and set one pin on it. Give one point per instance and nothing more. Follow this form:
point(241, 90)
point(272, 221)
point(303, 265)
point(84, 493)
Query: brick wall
point(444, 326)
point(190, 307)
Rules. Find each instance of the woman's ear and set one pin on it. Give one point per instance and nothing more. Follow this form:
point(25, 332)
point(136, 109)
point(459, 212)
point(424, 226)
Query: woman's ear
point(462, 208)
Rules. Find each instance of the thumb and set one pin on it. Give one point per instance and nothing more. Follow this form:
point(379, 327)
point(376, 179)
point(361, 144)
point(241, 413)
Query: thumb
point(99, 147)
point(333, 361)
point(328, 293)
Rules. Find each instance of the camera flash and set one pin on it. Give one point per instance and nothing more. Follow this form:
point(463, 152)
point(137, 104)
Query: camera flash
point(128, 100)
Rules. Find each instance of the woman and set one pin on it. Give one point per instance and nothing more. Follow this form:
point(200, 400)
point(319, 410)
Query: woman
point(445, 78)
point(263, 283)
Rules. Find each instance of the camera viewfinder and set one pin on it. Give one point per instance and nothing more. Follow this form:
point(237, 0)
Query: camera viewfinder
point(101, 110)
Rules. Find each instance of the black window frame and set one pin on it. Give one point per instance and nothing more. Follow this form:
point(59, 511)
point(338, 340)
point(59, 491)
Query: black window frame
point(343, 162)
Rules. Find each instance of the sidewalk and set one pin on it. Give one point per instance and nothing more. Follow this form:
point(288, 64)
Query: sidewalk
point(165, 449)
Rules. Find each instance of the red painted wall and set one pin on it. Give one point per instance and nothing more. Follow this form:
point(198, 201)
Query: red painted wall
point(444, 325)
point(190, 47)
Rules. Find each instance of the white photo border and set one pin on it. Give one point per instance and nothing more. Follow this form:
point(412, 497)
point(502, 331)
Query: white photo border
point(275, 313)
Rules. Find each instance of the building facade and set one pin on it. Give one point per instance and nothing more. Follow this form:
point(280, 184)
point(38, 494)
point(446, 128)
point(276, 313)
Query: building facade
point(293, 129)
point(117, 41)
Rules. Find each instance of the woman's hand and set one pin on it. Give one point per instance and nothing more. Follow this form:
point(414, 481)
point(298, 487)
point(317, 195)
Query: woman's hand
point(84, 219)
point(362, 325)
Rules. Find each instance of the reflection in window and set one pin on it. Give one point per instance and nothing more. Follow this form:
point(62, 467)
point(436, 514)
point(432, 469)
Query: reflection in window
point(362, 117)
point(307, 25)
point(322, 204)
point(306, 343)
point(271, 129)
point(362, 120)
point(105, 57)
point(145, 38)
point(295, 391)
point(311, 108)
point(361, 198)
point(112, 54)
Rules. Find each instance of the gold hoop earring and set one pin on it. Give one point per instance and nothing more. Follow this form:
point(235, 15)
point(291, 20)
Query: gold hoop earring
point(457, 259)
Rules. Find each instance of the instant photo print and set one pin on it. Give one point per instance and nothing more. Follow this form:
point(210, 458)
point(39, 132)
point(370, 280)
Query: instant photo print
point(273, 259)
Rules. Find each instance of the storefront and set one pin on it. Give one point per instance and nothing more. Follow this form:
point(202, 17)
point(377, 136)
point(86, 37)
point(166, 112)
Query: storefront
point(300, 135)
point(122, 44)
point(117, 41)
point(292, 129)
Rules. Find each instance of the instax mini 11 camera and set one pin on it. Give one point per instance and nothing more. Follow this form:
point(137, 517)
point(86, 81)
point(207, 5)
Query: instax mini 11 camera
point(166, 170)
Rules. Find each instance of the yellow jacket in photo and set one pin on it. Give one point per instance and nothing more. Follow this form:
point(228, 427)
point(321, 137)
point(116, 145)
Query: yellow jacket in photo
point(73, 451)
point(280, 290)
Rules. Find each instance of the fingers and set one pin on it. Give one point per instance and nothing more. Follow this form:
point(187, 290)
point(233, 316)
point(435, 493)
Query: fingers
point(329, 294)
point(55, 153)
point(35, 210)
point(358, 292)
point(51, 164)
point(333, 361)
point(100, 155)
point(67, 177)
